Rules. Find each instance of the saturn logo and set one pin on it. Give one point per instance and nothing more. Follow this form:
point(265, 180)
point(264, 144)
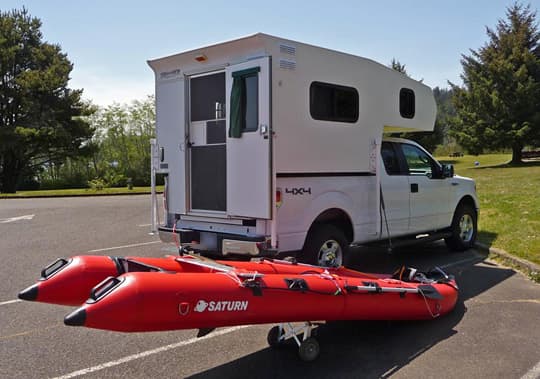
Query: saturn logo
point(201, 306)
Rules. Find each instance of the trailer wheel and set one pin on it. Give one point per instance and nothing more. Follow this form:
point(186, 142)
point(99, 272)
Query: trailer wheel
point(325, 246)
point(309, 350)
point(464, 228)
point(274, 337)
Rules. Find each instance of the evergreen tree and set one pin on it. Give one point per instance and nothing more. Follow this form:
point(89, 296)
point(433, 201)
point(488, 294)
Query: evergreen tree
point(40, 119)
point(499, 103)
point(396, 65)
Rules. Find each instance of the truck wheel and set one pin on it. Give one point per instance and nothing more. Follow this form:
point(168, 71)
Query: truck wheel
point(464, 228)
point(325, 246)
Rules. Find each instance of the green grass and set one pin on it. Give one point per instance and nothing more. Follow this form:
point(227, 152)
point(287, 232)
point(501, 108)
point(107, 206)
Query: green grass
point(509, 202)
point(80, 192)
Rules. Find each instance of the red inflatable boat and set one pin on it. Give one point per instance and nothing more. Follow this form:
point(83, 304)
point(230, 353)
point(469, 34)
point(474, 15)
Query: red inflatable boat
point(154, 294)
point(154, 301)
point(69, 281)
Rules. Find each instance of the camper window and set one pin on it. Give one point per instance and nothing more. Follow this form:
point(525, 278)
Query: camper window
point(244, 102)
point(332, 102)
point(206, 91)
point(406, 103)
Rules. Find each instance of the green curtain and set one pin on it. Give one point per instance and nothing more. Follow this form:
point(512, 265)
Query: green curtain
point(237, 113)
point(238, 101)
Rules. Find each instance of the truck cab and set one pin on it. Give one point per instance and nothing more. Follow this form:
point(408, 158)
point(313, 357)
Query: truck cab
point(421, 196)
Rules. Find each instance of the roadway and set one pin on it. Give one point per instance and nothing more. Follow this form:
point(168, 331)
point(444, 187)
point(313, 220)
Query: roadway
point(492, 333)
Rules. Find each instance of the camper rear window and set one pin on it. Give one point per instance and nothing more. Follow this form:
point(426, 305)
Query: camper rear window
point(406, 103)
point(332, 102)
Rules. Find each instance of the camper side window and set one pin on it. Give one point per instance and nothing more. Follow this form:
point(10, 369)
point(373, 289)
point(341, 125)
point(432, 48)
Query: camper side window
point(332, 102)
point(406, 103)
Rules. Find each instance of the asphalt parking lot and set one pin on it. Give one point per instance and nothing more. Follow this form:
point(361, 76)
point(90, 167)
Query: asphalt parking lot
point(492, 333)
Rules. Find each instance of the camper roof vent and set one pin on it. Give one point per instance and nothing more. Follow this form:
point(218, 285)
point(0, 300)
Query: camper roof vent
point(287, 64)
point(287, 49)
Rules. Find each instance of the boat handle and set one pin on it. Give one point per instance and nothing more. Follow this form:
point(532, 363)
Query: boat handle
point(102, 289)
point(53, 268)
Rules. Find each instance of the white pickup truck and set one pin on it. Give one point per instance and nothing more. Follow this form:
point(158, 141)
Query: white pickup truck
point(274, 146)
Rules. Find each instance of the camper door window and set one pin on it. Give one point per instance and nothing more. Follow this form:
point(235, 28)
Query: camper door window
point(244, 102)
point(206, 92)
point(332, 102)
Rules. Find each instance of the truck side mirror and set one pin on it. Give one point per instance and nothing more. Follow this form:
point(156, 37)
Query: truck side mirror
point(448, 170)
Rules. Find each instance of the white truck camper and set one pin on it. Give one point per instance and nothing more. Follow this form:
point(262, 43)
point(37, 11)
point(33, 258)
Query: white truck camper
point(271, 146)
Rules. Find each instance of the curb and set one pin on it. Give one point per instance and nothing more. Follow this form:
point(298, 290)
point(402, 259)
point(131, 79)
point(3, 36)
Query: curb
point(529, 268)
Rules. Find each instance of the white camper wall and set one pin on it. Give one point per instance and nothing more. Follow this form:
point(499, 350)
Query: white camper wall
point(303, 144)
point(170, 133)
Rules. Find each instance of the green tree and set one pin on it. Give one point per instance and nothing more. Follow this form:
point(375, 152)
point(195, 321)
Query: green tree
point(40, 117)
point(396, 65)
point(122, 142)
point(498, 105)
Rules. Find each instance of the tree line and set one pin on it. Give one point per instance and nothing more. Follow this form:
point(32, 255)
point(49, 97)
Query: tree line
point(117, 153)
point(51, 138)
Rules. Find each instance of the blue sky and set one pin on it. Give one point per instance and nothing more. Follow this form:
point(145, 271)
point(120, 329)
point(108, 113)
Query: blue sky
point(110, 41)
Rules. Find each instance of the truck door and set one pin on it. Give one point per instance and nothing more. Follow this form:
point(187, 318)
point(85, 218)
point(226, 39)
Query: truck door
point(395, 192)
point(248, 162)
point(429, 196)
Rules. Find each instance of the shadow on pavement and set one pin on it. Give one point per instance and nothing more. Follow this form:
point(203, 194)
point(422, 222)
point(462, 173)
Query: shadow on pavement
point(374, 349)
point(487, 237)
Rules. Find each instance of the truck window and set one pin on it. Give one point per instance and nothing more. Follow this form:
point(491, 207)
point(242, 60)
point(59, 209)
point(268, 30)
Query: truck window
point(418, 162)
point(390, 160)
point(332, 102)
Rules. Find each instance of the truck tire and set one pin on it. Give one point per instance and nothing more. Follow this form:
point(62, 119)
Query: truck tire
point(464, 228)
point(325, 246)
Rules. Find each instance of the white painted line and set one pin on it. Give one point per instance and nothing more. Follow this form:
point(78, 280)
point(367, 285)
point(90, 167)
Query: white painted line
point(13, 219)
point(146, 353)
point(468, 260)
point(123, 247)
point(533, 373)
point(10, 302)
point(143, 225)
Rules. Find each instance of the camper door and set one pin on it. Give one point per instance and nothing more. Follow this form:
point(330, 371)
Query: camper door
point(249, 139)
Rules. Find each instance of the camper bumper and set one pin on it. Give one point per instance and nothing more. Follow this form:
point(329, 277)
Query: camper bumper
point(226, 244)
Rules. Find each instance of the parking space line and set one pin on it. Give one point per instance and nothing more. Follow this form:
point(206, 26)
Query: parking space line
point(533, 373)
point(146, 353)
point(25, 333)
point(123, 246)
point(468, 260)
point(10, 302)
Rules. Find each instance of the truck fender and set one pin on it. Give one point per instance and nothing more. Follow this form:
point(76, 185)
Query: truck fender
point(327, 205)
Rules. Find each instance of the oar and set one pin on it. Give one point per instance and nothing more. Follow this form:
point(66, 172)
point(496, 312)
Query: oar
point(426, 290)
